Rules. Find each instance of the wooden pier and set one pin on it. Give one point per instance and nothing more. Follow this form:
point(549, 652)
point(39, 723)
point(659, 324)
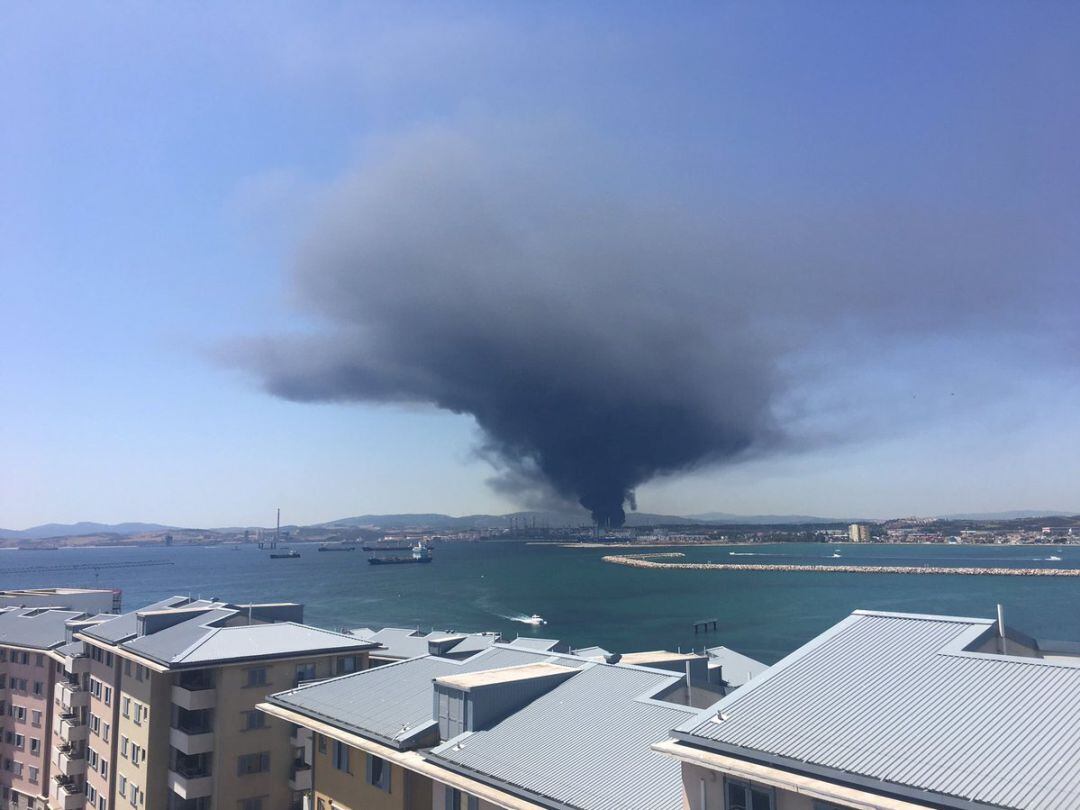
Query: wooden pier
point(705, 625)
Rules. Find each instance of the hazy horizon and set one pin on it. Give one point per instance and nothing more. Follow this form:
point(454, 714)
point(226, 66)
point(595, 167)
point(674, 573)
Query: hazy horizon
point(474, 258)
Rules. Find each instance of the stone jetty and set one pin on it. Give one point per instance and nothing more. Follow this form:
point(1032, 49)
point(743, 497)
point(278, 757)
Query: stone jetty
point(661, 561)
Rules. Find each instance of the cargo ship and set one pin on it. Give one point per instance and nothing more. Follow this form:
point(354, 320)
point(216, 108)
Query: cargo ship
point(291, 554)
point(337, 547)
point(420, 554)
point(386, 547)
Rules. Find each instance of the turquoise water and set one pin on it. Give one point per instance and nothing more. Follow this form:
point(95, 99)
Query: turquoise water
point(483, 586)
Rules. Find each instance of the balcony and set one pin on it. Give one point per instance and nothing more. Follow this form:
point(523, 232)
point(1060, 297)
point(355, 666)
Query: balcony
point(190, 783)
point(194, 699)
point(197, 740)
point(300, 737)
point(70, 696)
point(68, 796)
point(72, 728)
point(300, 776)
point(70, 763)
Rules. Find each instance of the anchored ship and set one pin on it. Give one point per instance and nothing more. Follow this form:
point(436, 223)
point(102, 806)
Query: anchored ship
point(420, 554)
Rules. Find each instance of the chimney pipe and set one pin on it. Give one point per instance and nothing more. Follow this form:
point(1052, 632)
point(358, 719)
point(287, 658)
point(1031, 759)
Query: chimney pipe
point(1002, 641)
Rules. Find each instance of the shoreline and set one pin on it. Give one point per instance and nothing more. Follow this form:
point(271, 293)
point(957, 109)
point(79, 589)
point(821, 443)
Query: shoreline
point(649, 561)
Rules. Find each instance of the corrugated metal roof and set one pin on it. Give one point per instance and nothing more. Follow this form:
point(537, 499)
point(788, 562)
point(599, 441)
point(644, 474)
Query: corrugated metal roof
point(529, 643)
point(585, 744)
point(34, 627)
point(266, 640)
point(126, 625)
point(737, 668)
point(389, 703)
point(897, 699)
point(400, 642)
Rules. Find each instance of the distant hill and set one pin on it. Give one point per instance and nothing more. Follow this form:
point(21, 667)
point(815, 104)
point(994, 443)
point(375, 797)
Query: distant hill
point(1014, 515)
point(48, 530)
point(764, 520)
point(542, 518)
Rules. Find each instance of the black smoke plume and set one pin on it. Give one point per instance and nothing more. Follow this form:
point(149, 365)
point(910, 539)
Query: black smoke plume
point(600, 330)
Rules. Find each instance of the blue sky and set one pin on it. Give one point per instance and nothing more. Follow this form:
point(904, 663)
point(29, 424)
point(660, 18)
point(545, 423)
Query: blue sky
point(162, 166)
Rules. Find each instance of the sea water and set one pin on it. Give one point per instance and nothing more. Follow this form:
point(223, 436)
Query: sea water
point(496, 585)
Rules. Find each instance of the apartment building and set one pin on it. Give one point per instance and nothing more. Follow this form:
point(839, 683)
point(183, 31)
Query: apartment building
point(893, 711)
point(30, 666)
point(509, 727)
point(86, 600)
point(171, 717)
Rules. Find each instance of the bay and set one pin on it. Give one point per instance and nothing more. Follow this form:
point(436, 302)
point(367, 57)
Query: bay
point(486, 586)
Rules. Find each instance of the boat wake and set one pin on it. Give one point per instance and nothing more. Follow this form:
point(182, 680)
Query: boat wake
point(533, 620)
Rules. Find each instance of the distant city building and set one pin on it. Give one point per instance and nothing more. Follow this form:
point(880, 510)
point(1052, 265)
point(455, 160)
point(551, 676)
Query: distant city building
point(859, 533)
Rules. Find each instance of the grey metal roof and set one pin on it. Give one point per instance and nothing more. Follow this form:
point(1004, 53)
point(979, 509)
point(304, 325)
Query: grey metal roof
point(203, 639)
point(585, 744)
point(126, 625)
point(265, 641)
point(401, 642)
point(900, 704)
point(36, 628)
point(530, 643)
point(392, 703)
point(592, 652)
point(737, 668)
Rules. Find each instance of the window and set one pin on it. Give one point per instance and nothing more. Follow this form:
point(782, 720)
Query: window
point(108, 659)
point(16, 768)
point(40, 660)
point(255, 803)
point(378, 773)
point(133, 793)
point(253, 763)
point(91, 793)
point(104, 770)
point(92, 758)
point(256, 677)
point(102, 804)
point(105, 732)
point(346, 664)
point(39, 688)
point(22, 683)
point(108, 696)
point(20, 713)
point(35, 718)
point(95, 724)
point(254, 720)
point(744, 796)
point(121, 785)
point(33, 774)
point(127, 667)
point(341, 757)
point(305, 672)
point(454, 797)
point(322, 743)
point(20, 741)
point(95, 688)
point(35, 746)
point(137, 714)
point(124, 746)
point(127, 707)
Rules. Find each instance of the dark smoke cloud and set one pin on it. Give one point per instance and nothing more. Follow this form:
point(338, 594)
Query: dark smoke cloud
point(602, 330)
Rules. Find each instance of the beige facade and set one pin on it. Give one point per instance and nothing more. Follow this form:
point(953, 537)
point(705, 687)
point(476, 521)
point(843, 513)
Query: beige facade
point(344, 776)
point(100, 728)
point(192, 739)
point(714, 781)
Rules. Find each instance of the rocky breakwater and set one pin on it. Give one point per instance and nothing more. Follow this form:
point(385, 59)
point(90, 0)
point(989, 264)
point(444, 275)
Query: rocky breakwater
point(661, 561)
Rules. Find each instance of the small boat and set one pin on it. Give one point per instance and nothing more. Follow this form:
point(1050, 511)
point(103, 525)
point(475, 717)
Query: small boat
point(1053, 558)
point(420, 554)
point(534, 619)
point(291, 554)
